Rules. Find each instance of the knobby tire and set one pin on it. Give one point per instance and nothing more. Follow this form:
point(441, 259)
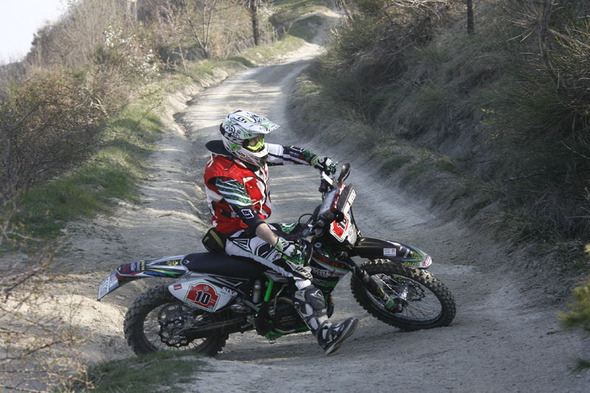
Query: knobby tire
point(430, 303)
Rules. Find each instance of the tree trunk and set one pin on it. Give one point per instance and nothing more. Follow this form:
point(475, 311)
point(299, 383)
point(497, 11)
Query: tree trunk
point(470, 22)
point(254, 4)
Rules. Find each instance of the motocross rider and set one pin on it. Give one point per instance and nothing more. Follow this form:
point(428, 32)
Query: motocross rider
point(236, 180)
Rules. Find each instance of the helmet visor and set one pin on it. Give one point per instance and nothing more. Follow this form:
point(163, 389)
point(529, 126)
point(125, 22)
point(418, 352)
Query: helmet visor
point(254, 144)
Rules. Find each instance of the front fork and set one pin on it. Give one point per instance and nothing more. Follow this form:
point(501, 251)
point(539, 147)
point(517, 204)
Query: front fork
point(395, 304)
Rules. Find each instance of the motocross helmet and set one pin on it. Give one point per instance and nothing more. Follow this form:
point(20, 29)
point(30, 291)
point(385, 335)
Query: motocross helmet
point(242, 133)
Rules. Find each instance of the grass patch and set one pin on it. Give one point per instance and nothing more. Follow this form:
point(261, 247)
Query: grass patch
point(144, 374)
point(200, 71)
point(472, 210)
point(395, 161)
point(264, 53)
point(581, 365)
point(414, 174)
point(446, 164)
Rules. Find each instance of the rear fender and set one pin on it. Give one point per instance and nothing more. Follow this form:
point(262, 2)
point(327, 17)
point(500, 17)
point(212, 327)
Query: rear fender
point(371, 248)
point(169, 267)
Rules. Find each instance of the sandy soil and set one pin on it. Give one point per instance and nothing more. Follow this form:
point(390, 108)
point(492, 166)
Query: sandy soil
point(505, 337)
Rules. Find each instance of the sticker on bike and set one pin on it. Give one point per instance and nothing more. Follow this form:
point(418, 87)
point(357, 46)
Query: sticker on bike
point(202, 295)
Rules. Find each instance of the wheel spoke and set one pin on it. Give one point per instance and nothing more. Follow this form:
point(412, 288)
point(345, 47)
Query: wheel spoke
point(419, 303)
point(163, 327)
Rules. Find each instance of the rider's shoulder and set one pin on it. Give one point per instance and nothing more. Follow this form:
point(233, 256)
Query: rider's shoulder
point(216, 147)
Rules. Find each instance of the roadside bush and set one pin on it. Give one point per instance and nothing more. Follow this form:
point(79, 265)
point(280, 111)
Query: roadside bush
point(544, 147)
point(579, 314)
point(48, 123)
point(371, 49)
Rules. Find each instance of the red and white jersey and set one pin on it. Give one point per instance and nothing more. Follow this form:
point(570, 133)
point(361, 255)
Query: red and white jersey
point(232, 186)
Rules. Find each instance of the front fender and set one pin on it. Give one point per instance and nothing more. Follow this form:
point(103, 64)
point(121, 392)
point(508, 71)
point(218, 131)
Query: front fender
point(367, 247)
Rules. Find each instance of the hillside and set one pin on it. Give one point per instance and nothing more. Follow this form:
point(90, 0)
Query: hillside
point(477, 122)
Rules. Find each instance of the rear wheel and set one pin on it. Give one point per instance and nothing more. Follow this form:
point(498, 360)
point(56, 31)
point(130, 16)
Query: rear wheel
point(421, 300)
point(157, 321)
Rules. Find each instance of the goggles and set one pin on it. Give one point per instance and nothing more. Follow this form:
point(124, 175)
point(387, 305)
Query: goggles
point(255, 144)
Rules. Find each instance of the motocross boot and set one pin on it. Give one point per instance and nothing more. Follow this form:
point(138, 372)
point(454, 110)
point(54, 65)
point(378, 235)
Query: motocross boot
point(331, 336)
point(309, 303)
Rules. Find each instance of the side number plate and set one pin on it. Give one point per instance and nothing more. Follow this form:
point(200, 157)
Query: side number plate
point(108, 285)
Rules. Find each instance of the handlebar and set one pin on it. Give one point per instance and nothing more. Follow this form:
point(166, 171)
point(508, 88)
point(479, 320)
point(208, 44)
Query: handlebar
point(328, 182)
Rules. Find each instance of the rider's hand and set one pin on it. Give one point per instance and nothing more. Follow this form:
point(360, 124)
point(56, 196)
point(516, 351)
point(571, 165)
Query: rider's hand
point(291, 251)
point(324, 164)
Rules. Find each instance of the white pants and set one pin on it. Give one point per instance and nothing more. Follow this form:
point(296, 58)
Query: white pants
point(247, 245)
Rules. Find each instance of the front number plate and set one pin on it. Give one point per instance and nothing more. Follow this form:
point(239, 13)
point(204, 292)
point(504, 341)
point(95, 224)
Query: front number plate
point(108, 285)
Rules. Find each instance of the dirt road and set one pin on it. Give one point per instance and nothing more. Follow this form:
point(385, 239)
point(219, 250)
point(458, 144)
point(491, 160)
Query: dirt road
point(505, 337)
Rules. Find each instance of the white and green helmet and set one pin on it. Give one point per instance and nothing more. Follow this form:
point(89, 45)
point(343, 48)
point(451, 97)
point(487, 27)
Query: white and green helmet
point(243, 134)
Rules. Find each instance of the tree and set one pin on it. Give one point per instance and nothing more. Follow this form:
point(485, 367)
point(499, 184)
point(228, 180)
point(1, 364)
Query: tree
point(201, 29)
point(470, 21)
point(73, 40)
point(203, 11)
point(253, 6)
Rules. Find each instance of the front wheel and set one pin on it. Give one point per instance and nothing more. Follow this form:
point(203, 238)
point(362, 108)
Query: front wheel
point(421, 300)
point(158, 321)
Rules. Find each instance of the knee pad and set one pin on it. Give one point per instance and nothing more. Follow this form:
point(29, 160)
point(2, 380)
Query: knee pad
point(311, 296)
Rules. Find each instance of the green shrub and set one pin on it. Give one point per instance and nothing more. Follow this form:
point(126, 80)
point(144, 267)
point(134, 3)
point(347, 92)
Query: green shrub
point(48, 124)
point(578, 315)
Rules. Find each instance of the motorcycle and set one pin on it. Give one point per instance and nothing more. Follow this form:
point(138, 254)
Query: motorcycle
point(215, 295)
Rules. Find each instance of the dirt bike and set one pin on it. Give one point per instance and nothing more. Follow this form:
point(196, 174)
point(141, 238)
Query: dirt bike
point(215, 295)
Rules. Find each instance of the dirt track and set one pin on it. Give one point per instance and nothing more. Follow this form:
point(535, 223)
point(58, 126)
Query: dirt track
point(505, 337)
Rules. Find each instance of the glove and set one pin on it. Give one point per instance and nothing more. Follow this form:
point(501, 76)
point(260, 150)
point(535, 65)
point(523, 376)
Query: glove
point(291, 251)
point(293, 254)
point(324, 164)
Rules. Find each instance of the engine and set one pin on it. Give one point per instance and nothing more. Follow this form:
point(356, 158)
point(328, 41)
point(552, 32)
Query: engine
point(285, 318)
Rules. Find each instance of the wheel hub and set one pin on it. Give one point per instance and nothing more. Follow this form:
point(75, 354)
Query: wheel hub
point(172, 320)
